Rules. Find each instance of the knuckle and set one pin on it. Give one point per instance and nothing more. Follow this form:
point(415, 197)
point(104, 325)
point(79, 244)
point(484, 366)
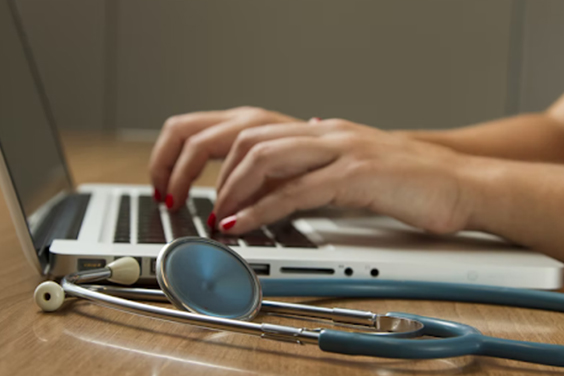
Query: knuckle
point(290, 191)
point(246, 139)
point(359, 168)
point(256, 113)
point(243, 108)
point(195, 142)
point(248, 110)
point(338, 124)
point(348, 142)
point(172, 124)
point(260, 153)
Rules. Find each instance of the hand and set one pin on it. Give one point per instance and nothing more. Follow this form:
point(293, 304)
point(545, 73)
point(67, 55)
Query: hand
point(343, 164)
point(188, 141)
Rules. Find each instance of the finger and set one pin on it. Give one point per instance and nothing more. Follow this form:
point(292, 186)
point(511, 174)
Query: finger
point(171, 141)
point(213, 142)
point(282, 158)
point(310, 191)
point(252, 136)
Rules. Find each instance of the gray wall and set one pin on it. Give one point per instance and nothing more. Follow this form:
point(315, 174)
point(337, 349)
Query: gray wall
point(388, 63)
point(543, 54)
point(67, 37)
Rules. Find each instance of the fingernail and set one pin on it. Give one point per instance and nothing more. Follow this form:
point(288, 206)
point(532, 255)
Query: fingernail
point(169, 201)
point(157, 195)
point(314, 120)
point(211, 220)
point(228, 222)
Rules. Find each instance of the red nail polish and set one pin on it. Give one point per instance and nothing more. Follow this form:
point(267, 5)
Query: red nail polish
point(314, 120)
point(228, 222)
point(211, 220)
point(169, 201)
point(157, 195)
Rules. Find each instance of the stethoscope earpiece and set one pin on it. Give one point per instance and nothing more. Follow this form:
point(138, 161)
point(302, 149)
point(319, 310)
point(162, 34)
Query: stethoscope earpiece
point(49, 296)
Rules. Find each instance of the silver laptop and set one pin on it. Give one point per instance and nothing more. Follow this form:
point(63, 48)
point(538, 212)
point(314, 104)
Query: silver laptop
point(63, 228)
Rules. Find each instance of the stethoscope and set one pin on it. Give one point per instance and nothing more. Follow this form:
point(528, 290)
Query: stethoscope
point(213, 287)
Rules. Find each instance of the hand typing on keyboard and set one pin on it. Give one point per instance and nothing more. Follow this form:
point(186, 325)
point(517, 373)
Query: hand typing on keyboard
point(318, 163)
point(343, 164)
point(188, 141)
point(441, 182)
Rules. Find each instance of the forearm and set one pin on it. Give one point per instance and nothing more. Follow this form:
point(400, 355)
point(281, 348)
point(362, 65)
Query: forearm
point(522, 202)
point(527, 137)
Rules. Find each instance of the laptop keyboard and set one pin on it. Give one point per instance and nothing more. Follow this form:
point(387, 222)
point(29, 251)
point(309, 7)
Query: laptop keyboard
point(150, 227)
point(122, 234)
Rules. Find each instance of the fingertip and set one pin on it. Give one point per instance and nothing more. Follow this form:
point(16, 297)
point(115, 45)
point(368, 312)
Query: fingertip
point(169, 201)
point(228, 224)
point(160, 182)
point(157, 195)
point(211, 220)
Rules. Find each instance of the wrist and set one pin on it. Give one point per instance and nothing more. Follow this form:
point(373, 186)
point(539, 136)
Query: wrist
point(484, 191)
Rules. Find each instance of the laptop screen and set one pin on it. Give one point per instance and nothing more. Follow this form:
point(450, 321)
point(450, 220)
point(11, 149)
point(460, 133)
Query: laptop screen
point(28, 139)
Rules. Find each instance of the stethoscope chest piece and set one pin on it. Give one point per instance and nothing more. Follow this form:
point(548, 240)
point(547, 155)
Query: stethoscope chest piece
point(207, 277)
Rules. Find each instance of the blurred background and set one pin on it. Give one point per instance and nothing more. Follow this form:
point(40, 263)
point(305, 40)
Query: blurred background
point(126, 65)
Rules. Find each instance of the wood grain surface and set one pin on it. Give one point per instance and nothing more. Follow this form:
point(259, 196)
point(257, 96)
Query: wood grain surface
point(86, 339)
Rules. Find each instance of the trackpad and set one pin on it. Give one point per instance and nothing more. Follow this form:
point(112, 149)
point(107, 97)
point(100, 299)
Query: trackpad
point(382, 232)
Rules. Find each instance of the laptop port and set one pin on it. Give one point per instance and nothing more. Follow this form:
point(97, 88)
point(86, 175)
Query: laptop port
point(88, 264)
point(261, 269)
point(153, 266)
point(349, 272)
point(297, 270)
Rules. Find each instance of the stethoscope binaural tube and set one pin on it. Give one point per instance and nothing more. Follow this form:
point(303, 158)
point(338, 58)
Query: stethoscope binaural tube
point(383, 325)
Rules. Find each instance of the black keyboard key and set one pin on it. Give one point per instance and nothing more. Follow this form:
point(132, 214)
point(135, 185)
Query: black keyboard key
point(286, 234)
point(123, 229)
point(258, 238)
point(204, 207)
point(149, 224)
point(182, 224)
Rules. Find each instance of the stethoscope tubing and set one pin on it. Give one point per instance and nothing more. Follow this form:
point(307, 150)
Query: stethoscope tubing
point(463, 340)
point(418, 290)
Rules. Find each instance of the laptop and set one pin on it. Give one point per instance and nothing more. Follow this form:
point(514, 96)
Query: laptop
point(64, 228)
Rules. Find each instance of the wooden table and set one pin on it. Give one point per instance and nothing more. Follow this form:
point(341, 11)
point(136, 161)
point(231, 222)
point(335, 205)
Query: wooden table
point(86, 339)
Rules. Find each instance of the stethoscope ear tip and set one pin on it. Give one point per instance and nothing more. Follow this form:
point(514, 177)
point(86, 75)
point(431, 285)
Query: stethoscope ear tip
point(49, 296)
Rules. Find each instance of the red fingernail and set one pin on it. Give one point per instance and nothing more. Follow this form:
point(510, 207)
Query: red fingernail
point(169, 201)
point(228, 222)
point(314, 120)
point(211, 220)
point(157, 195)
